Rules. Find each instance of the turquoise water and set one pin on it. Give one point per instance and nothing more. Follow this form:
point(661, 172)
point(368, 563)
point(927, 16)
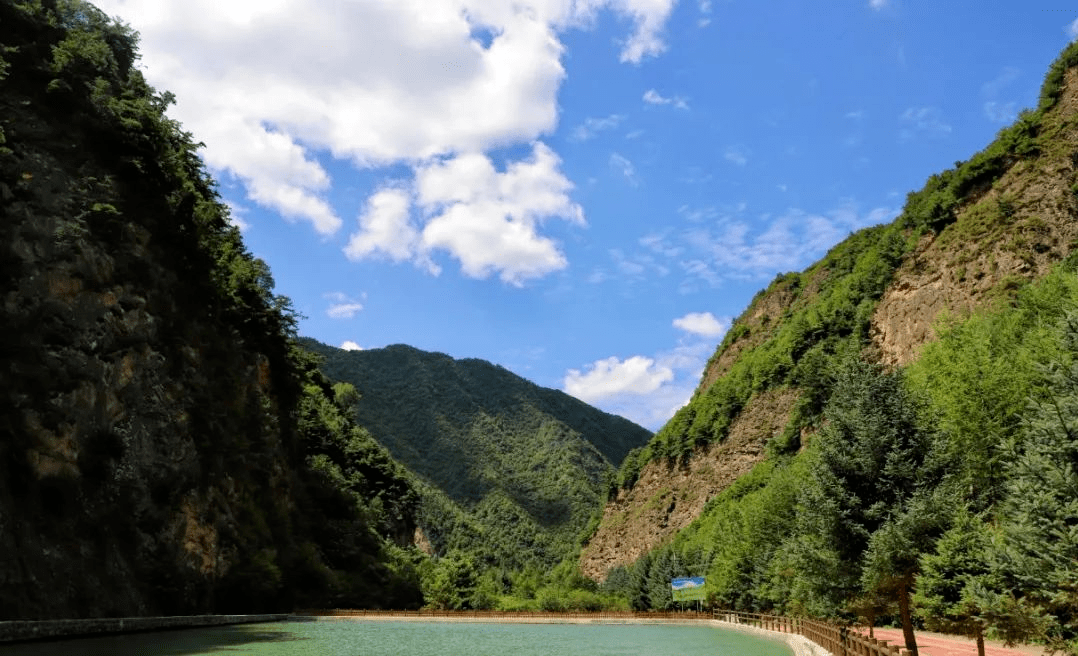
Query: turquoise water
point(381, 638)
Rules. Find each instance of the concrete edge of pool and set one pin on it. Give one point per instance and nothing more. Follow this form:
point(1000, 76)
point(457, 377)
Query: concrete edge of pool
point(26, 630)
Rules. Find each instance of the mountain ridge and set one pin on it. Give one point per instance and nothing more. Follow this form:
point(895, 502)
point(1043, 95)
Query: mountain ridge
point(928, 369)
point(492, 442)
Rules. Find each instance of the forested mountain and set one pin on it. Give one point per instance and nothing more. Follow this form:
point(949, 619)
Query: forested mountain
point(165, 448)
point(920, 382)
point(512, 472)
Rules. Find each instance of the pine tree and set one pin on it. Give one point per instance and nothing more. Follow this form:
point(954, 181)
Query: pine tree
point(1037, 556)
point(946, 597)
point(870, 458)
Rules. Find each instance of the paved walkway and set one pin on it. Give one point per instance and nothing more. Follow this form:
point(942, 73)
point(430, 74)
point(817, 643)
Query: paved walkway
point(938, 644)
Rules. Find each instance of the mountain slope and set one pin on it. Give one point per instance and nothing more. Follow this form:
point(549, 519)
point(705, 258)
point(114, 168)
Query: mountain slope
point(969, 242)
point(164, 448)
point(513, 471)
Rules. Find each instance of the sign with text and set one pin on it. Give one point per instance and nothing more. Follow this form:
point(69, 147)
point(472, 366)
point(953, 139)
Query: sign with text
point(688, 589)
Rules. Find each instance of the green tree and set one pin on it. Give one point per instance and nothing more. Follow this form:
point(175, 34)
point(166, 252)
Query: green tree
point(1037, 556)
point(947, 596)
point(449, 582)
point(869, 463)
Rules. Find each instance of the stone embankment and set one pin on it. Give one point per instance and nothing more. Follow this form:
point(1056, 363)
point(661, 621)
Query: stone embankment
point(22, 630)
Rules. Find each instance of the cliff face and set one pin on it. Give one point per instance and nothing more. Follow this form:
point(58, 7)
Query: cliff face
point(150, 403)
point(969, 239)
point(1015, 230)
point(669, 496)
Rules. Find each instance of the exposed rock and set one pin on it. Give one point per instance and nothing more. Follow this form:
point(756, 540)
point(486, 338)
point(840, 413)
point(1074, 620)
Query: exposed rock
point(668, 497)
point(1015, 231)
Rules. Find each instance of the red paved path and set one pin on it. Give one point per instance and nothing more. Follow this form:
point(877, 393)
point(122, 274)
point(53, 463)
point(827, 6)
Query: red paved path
point(935, 644)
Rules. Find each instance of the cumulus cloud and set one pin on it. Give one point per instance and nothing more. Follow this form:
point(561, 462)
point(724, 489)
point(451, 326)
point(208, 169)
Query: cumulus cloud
point(489, 220)
point(645, 389)
point(637, 375)
point(653, 97)
point(385, 228)
point(1072, 30)
point(271, 87)
point(349, 345)
point(702, 323)
point(485, 218)
point(342, 306)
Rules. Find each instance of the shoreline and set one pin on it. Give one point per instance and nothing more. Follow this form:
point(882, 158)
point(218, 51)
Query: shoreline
point(12, 631)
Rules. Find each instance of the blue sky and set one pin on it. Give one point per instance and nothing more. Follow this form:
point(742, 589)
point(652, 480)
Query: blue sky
point(586, 192)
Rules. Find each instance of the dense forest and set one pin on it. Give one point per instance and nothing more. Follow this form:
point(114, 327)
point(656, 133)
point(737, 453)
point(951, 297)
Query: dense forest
point(165, 446)
point(937, 490)
point(509, 473)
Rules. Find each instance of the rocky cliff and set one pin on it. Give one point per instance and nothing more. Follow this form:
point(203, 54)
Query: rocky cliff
point(968, 240)
point(161, 440)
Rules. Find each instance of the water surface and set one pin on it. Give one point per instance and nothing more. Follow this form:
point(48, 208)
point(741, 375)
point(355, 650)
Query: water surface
point(384, 638)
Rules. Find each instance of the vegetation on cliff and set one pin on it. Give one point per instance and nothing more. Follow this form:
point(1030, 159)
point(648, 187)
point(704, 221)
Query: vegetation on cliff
point(166, 447)
point(940, 492)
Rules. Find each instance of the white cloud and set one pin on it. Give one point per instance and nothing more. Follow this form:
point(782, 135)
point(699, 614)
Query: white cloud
point(349, 345)
point(705, 13)
point(385, 227)
point(996, 110)
point(622, 165)
point(343, 306)
point(645, 389)
point(658, 243)
point(653, 97)
point(604, 379)
point(593, 126)
point(923, 121)
point(878, 5)
point(730, 245)
point(702, 323)
point(736, 155)
point(235, 216)
point(1000, 112)
point(487, 219)
point(272, 87)
point(998, 84)
point(1072, 30)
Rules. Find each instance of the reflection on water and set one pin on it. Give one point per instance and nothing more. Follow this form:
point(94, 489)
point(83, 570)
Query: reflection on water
point(349, 637)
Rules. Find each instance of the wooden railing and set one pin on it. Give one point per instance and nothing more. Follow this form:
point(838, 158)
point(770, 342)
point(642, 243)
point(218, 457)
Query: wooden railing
point(837, 639)
point(511, 615)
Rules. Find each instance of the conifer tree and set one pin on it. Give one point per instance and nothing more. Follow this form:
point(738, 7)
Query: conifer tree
point(871, 453)
point(1037, 556)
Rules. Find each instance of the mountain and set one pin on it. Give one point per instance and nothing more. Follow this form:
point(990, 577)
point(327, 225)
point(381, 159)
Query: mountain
point(512, 472)
point(165, 448)
point(880, 422)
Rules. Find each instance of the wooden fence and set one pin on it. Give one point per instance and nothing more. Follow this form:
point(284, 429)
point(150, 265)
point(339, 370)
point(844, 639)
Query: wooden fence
point(478, 615)
point(837, 639)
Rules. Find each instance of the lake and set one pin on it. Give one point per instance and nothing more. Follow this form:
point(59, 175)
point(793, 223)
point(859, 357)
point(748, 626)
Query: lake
point(385, 638)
